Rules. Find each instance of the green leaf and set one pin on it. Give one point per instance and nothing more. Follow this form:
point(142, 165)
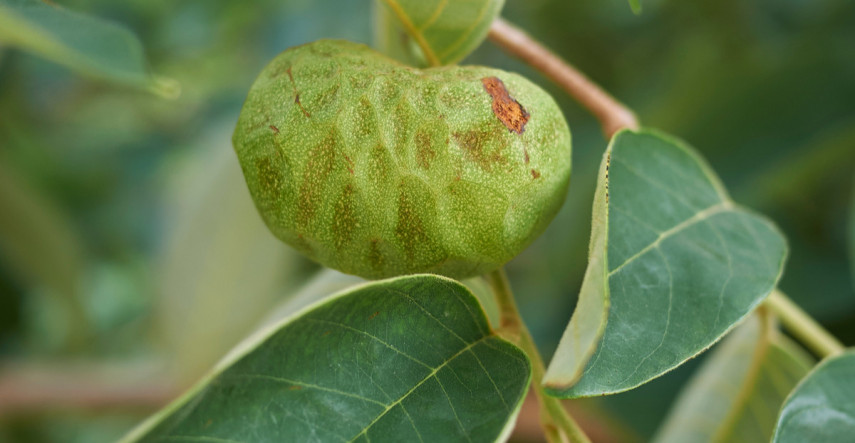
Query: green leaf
point(673, 265)
point(39, 244)
point(411, 358)
point(434, 32)
point(220, 264)
point(635, 5)
point(89, 45)
point(851, 234)
point(735, 396)
point(821, 408)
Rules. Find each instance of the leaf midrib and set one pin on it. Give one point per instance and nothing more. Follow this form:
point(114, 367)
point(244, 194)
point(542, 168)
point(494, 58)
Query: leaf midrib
point(685, 224)
point(419, 384)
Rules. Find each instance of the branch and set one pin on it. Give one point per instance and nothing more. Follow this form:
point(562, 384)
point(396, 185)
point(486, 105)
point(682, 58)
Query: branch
point(33, 388)
point(612, 114)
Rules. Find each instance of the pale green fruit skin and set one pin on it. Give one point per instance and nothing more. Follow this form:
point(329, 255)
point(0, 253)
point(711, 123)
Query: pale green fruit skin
point(379, 169)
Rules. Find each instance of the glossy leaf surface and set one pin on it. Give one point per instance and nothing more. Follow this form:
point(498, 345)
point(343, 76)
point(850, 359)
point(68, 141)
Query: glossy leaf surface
point(410, 358)
point(735, 396)
point(821, 408)
point(434, 32)
point(673, 265)
point(89, 45)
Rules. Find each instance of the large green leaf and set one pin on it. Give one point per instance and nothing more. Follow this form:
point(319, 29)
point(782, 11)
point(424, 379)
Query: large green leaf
point(220, 264)
point(39, 244)
point(736, 394)
point(674, 264)
point(92, 46)
point(411, 358)
point(822, 407)
point(434, 32)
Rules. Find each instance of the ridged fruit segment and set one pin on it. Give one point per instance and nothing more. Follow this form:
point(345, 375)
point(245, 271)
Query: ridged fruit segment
point(378, 169)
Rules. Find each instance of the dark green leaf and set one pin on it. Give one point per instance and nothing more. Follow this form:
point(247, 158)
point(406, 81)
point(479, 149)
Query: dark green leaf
point(821, 408)
point(411, 358)
point(673, 265)
point(736, 394)
point(92, 46)
point(434, 32)
point(39, 243)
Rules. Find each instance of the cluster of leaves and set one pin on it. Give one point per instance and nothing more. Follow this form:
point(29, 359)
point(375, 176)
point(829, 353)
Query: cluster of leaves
point(674, 264)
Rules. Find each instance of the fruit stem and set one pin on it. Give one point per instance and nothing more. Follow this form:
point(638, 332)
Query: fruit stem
point(612, 114)
point(803, 327)
point(557, 424)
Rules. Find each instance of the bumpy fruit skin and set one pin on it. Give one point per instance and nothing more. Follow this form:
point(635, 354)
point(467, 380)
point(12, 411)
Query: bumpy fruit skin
point(378, 169)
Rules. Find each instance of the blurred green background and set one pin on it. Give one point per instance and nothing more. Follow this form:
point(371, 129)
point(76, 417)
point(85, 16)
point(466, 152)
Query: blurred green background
point(131, 255)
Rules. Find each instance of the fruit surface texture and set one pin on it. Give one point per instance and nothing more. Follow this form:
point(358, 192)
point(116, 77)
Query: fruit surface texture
point(377, 169)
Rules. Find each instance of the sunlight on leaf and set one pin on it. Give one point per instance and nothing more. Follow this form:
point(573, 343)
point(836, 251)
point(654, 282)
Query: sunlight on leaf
point(821, 408)
point(365, 365)
point(86, 44)
point(434, 32)
point(735, 396)
point(674, 264)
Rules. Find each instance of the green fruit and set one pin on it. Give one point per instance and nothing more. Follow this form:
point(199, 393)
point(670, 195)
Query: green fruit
point(378, 169)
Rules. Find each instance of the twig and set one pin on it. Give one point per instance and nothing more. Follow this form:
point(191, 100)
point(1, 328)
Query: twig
point(612, 114)
point(33, 388)
point(556, 422)
point(803, 327)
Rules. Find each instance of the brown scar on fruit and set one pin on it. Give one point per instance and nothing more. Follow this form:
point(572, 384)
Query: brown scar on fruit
point(371, 317)
point(349, 164)
point(296, 94)
point(274, 129)
point(509, 111)
point(535, 174)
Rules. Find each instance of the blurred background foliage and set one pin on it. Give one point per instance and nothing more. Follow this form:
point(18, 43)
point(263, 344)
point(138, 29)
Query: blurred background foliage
point(128, 240)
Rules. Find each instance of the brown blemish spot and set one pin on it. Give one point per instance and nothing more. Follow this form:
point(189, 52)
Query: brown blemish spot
point(410, 229)
point(295, 387)
point(608, 162)
point(535, 174)
point(424, 151)
point(349, 164)
point(474, 144)
point(345, 217)
point(371, 317)
point(270, 177)
point(296, 94)
point(321, 164)
point(525, 154)
point(374, 255)
point(509, 111)
point(274, 129)
point(326, 333)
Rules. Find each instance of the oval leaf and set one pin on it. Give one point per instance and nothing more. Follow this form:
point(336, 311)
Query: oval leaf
point(821, 408)
point(434, 32)
point(220, 264)
point(735, 396)
point(410, 358)
point(92, 46)
point(673, 265)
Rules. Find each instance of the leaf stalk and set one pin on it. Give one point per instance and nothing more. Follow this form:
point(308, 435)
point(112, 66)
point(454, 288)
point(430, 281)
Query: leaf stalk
point(557, 424)
point(803, 326)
